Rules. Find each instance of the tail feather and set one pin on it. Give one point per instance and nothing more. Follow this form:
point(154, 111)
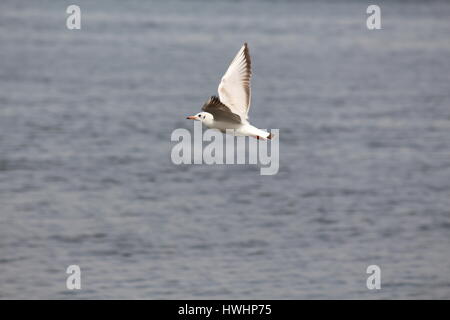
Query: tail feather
point(269, 136)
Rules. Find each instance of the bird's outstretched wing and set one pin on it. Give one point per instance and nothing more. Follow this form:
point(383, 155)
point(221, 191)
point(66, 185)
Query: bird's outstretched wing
point(220, 111)
point(234, 89)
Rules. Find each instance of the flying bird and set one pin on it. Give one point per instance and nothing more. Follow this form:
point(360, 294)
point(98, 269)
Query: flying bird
point(230, 109)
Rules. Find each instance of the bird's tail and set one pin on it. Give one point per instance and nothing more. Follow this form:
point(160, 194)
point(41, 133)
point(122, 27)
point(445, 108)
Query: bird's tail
point(265, 136)
point(257, 133)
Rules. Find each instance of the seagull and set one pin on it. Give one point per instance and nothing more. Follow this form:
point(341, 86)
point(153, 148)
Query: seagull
point(230, 109)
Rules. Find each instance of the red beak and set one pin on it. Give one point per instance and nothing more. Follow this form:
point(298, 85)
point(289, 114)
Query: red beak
point(192, 118)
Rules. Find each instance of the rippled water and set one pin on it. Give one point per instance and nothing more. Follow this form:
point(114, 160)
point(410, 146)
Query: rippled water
point(86, 176)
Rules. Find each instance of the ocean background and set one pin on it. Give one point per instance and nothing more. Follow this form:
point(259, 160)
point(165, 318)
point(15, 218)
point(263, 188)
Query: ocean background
point(86, 177)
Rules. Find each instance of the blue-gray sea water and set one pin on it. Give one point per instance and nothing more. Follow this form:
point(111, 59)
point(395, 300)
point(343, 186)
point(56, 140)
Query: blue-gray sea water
point(85, 171)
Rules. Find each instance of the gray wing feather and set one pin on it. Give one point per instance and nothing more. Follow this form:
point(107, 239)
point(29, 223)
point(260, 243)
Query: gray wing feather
point(220, 111)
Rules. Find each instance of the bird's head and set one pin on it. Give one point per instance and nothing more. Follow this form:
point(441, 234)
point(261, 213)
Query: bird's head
point(204, 117)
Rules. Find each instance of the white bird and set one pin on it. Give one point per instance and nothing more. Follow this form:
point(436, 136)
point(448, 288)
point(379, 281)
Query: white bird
point(230, 109)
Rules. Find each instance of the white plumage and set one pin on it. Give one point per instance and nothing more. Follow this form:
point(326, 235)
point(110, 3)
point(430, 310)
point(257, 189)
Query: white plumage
point(230, 109)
